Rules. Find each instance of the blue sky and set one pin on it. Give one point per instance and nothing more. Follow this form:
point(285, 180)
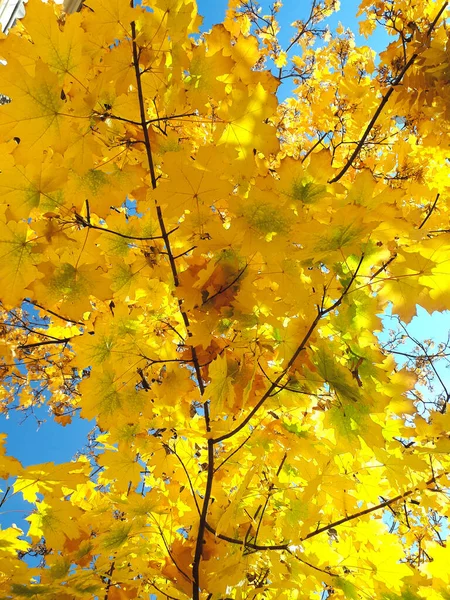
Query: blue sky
point(32, 442)
point(292, 10)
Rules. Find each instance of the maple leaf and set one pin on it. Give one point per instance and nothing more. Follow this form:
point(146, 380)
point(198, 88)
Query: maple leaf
point(32, 187)
point(9, 542)
point(207, 75)
point(9, 465)
point(108, 21)
point(245, 126)
point(60, 48)
point(35, 479)
point(122, 468)
point(17, 260)
point(39, 98)
point(54, 520)
point(221, 389)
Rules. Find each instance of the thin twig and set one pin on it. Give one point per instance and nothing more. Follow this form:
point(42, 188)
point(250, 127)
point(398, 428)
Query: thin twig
point(383, 267)
point(109, 579)
point(227, 287)
point(85, 223)
point(108, 115)
point(314, 146)
point(44, 343)
point(234, 452)
point(330, 573)
point(269, 493)
point(168, 596)
point(2, 501)
point(51, 312)
point(169, 552)
point(187, 476)
point(429, 212)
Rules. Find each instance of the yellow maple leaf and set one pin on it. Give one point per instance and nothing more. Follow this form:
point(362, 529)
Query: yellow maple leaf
point(245, 125)
point(18, 261)
point(437, 567)
point(122, 468)
point(60, 47)
point(220, 390)
point(10, 543)
point(8, 465)
point(55, 519)
point(39, 98)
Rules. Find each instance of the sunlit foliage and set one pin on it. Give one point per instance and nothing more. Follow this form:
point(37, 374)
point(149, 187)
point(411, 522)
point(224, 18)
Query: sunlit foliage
point(202, 269)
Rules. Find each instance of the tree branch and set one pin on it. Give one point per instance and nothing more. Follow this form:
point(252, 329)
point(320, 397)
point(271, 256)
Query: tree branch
point(227, 287)
point(109, 579)
point(44, 343)
point(202, 524)
point(285, 546)
point(142, 105)
point(187, 476)
point(367, 511)
point(383, 267)
point(266, 503)
point(51, 312)
point(321, 313)
point(384, 101)
point(429, 212)
point(164, 233)
point(85, 223)
point(165, 237)
point(108, 115)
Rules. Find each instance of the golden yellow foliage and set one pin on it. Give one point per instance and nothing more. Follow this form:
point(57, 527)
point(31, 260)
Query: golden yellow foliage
point(201, 270)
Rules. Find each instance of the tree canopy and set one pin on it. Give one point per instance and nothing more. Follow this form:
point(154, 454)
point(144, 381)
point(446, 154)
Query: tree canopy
point(202, 270)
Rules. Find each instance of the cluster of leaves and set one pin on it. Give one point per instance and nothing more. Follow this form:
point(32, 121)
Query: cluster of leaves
point(201, 270)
